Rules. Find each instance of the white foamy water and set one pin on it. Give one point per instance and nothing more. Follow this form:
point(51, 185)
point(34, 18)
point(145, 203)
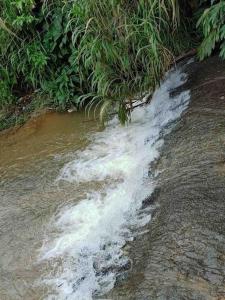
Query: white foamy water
point(92, 233)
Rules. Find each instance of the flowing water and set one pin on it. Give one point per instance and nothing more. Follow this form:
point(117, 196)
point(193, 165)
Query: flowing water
point(72, 197)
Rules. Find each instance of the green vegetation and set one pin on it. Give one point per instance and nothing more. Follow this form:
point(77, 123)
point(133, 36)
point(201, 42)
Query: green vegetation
point(212, 25)
point(97, 53)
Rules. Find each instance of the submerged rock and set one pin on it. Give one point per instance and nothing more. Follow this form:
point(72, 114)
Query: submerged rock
point(183, 254)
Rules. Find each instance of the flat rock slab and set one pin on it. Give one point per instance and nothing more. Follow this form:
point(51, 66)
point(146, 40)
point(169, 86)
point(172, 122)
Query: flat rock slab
point(183, 254)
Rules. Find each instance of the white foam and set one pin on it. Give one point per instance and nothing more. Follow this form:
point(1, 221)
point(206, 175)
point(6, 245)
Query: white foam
point(93, 232)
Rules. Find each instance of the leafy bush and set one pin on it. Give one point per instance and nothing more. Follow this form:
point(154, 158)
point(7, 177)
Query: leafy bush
point(35, 51)
point(212, 24)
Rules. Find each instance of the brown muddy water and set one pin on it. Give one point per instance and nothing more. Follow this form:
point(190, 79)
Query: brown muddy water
point(30, 160)
point(134, 212)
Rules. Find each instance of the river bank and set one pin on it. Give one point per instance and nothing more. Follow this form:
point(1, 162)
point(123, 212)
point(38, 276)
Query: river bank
point(32, 105)
point(183, 254)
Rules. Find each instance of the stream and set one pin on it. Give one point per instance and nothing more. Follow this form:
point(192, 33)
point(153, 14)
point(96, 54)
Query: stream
point(72, 197)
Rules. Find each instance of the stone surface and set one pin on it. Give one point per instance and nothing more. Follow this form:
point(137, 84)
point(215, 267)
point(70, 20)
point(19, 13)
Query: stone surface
point(183, 254)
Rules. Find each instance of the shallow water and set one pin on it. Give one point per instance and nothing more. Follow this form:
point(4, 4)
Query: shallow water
point(30, 161)
point(72, 197)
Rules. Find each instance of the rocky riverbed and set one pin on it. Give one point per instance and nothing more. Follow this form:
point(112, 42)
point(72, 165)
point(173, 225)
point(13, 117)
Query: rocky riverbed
point(183, 254)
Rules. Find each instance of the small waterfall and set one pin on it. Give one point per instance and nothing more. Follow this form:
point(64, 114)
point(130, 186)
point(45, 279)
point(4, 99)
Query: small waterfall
point(87, 249)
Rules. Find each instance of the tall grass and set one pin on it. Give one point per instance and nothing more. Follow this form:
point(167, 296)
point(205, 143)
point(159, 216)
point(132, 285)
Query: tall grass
point(124, 47)
point(98, 53)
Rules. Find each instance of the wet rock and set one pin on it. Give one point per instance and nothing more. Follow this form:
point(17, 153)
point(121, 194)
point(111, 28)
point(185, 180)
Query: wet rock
point(151, 199)
point(183, 255)
point(72, 109)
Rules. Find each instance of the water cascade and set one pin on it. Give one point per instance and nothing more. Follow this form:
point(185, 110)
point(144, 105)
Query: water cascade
point(85, 241)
